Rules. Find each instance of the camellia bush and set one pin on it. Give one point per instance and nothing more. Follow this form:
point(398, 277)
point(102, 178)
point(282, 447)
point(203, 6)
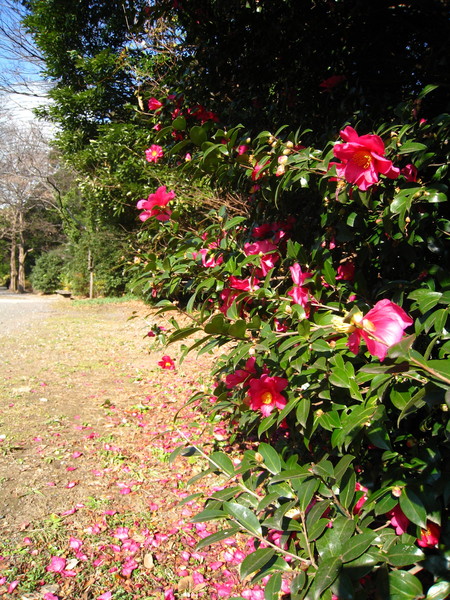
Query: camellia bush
point(324, 278)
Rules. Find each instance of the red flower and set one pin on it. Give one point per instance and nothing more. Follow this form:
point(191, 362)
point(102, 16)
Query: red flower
point(155, 205)
point(154, 104)
point(346, 271)
point(410, 173)
point(361, 500)
point(167, 363)
point(228, 296)
point(265, 393)
point(154, 153)
point(429, 537)
point(381, 328)
point(331, 82)
point(241, 375)
point(362, 159)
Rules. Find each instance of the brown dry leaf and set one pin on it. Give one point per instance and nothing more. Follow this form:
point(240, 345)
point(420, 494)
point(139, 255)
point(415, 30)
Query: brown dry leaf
point(186, 584)
point(148, 561)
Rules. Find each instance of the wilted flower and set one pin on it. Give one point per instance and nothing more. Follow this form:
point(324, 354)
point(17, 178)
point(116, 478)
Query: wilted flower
point(362, 159)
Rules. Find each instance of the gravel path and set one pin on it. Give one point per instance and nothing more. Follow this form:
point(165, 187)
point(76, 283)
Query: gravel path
point(17, 310)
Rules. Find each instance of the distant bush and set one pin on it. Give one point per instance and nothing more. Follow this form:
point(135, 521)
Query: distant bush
point(48, 271)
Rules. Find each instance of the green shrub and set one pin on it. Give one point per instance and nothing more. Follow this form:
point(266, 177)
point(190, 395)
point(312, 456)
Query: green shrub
point(48, 271)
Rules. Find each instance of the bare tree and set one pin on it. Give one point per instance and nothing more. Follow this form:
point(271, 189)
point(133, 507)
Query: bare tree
point(22, 63)
point(26, 170)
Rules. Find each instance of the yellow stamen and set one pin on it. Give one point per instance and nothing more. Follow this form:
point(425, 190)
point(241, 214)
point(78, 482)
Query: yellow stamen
point(362, 158)
point(266, 398)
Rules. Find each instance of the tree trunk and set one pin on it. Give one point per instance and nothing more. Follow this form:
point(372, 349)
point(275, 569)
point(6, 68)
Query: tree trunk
point(21, 278)
point(22, 255)
point(13, 266)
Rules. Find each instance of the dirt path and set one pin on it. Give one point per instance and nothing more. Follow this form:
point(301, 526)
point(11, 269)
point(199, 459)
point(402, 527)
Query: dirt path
point(69, 379)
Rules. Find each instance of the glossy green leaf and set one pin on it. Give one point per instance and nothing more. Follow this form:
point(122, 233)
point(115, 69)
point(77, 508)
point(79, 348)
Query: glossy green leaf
point(439, 591)
point(272, 588)
point(244, 516)
point(326, 573)
point(404, 586)
point(413, 507)
point(255, 561)
point(271, 457)
point(356, 546)
point(401, 555)
point(219, 536)
point(223, 462)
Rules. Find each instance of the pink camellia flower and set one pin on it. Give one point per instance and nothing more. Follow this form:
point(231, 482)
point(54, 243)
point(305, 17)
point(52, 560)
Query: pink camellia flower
point(167, 363)
point(241, 375)
point(266, 250)
point(154, 153)
point(362, 159)
point(154, 104)
point(381, 328)
point(265, 394)
point(211, 261)
point(299, 293)
point(399, 520)
point(155, 205)
point(247, 285)
point(429, 537)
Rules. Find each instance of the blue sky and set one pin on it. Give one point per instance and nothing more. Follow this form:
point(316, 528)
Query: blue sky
point(17, 73)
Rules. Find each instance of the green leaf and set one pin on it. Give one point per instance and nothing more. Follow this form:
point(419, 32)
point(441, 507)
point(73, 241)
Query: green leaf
point(342, 466)
point(223, 461)
point(182, 334)
point(237, 329)
point(255, 561)
point(244, 516)
point(356, 546)
point(408, 147)
point(273, 586)
point(326, 573)
point(404, 586)
point(306, 492)
point(208, 515)
point(413, 507)
point(272, 460)
point(339, 378)
point(219, 536)
point(303, 410)
point(439, 591)
point(198, 135)
point(179, 123)
point(401, 555)
point(425, 299)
